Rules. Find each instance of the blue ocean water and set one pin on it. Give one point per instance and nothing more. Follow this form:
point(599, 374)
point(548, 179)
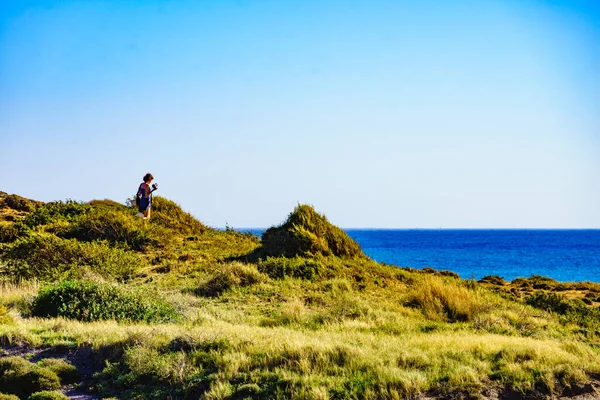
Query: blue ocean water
point(564, 255)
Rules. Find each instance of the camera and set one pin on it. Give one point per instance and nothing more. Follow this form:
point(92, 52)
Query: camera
point(155, 186)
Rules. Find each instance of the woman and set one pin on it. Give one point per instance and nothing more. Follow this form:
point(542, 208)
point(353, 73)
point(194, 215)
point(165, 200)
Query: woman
point(144, 196)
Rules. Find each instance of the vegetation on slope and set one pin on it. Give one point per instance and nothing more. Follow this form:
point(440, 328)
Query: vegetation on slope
point(14, 206)
point(170, 307)
point(44, 256)
point(308, 233)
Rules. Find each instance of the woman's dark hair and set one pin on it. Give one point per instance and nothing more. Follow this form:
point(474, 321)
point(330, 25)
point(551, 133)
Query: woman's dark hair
point(148, 177)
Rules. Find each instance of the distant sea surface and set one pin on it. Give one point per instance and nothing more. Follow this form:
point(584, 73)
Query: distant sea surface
point(564, 255)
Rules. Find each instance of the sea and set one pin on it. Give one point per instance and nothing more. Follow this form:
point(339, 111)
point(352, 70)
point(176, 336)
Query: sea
point(564, 255)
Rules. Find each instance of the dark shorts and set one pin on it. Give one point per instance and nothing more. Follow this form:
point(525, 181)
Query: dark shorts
point(143, 204)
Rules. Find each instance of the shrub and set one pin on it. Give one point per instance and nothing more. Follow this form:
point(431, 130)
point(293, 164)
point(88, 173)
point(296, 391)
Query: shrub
point(429, 270)
point(148, 365)
point(59, 228)
point(574, 311)
point(68, 210)
point(297, 267)
point(438, 299)
point(147, 373)
point(8, 397)
point(235, 274)
point(90, 301)
point(449, 274)
point(18, 203)
point(48, 395)
point(493, 279)
point(168, 214)
point(11, 231)
point(116, 227)
point(46, 257)
point(247, 391)
point(405, 275)
point(22, 378)
point(542, 282)
point(66, 372)
point(549, 301)
point(308, 233)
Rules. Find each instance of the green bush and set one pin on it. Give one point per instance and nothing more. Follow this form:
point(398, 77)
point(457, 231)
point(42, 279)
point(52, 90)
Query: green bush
point(91, 301)
point(450, 274)
point(149, 373)
point(542, 282)
point(493, 279)
point(235, 274)
point(18, 203)
point(48, 395)
point(47, 257)
point(11, 231)
point(8, 397)
point(68, 210)
point(116, 227)
point(297, 267)
point(22, 378)
point(574, 311)
point(60, 228)
point(549, 301)
point(66, 372)
point(168, 214)
point(308, 233)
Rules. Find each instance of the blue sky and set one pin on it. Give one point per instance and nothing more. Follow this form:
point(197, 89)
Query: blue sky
point(388, 114)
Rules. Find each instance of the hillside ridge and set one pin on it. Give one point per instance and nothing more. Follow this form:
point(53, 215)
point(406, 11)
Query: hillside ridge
point(173, 308)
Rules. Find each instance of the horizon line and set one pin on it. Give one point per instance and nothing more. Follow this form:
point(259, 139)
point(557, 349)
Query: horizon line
point(437, 229)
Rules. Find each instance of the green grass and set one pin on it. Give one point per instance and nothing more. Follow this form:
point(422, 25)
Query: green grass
point(296, 267)
point(448, 300)
point(177, 309)
point(228, 276)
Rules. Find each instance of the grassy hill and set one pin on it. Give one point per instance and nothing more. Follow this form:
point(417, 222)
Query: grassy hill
point(172, 307)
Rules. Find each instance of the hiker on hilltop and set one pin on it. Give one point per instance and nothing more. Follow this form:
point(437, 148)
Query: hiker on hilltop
point(144, 196)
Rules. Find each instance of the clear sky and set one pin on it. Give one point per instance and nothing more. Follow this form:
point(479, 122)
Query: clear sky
point(386, 114)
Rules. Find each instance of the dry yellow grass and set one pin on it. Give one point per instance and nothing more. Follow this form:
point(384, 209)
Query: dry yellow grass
point(413, 362)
